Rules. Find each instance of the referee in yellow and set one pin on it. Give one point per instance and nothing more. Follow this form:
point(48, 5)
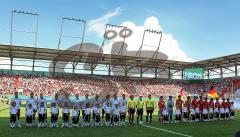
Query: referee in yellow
point(140, 104)
point(149, 108)
point(131, 109)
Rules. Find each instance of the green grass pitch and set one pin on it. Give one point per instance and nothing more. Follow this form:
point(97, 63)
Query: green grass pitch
point(201, 129)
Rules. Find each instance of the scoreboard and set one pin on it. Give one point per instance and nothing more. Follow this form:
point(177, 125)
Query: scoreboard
point(194, 73)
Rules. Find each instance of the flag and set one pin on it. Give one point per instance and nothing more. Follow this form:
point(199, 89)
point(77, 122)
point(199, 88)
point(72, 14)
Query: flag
point(72, 87)
point(182, 92)
point(213, 92)
point(17, 81)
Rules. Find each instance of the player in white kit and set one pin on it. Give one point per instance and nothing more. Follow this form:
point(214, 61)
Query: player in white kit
point(18, 105)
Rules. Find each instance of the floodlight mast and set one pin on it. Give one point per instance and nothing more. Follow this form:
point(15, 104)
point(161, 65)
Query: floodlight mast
point(155, 55)
point(105, 35)
point(78, 37)
point(13, 12)
point(61, 30)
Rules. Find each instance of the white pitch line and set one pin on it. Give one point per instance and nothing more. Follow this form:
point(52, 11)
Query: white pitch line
point(180, 134)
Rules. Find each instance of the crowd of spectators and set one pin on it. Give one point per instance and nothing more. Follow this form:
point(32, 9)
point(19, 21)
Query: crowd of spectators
point(103, 85)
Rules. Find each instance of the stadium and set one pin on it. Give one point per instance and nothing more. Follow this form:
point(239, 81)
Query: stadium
point(78, 69)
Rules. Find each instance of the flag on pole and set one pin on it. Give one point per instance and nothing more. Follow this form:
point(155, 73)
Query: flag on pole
point(213, 92)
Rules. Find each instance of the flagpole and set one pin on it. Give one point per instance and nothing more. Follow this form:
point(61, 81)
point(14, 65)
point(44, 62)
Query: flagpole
point(232, 89)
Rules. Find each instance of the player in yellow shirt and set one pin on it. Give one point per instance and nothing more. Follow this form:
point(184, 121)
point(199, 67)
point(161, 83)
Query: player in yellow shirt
point(140, 104)
point(149, 108)
point(131, 109)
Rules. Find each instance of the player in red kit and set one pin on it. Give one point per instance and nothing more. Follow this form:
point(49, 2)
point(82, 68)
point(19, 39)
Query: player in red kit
point(194, 102)
point(224, 104)
point(228, 103)
point(200, 104)
point(206, 104)
point(227, 109)
point(161, 105)
point(211, 109)
point(217, 109)
point(179, 103)
point(222, 110)
point(205, 109)
point(188, 105)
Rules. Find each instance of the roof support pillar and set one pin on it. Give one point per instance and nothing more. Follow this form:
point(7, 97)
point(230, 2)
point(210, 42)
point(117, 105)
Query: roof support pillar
point(92, 67)
point(125, 73)
point(33, 66)
point(11, 65)
point(74, 65)
point(236, 70)
point(155, 71)
point(221, 72)
point(169, 72)
point(182, 73)
point(54, 66)
point(141, 72)
point(109, 69)
point(208, 73)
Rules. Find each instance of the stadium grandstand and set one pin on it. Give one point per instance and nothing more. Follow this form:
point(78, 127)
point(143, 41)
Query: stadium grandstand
point(223, 70)
point(78, 83)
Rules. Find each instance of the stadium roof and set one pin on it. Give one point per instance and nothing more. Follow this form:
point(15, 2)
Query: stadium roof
point(98, 58)
point(225, 61)
point(86, 57)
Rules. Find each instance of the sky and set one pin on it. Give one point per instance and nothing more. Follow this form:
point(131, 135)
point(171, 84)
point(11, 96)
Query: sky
point(192, 30)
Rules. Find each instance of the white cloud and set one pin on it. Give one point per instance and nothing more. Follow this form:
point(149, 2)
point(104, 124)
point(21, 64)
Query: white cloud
point(98, 25)
point(169, 45)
